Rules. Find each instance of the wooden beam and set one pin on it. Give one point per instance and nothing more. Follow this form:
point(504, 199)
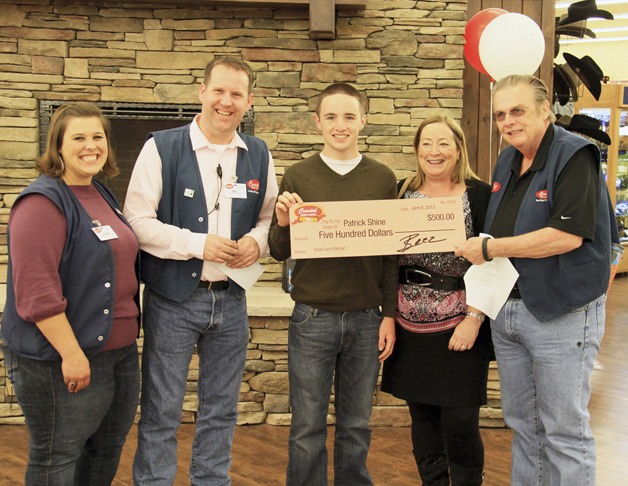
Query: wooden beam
point(322, 12)
point(322, 19)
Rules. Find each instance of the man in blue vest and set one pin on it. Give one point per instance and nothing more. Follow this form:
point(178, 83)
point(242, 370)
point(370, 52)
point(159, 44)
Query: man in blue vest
point(549, 213)
point(201, 196)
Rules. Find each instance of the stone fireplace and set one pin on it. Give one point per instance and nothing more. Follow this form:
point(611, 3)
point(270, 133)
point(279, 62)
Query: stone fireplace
point(130, 124)
point(141, 62)
point(406, 56)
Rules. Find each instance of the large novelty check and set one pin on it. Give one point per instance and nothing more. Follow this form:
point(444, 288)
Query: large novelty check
point(382, 227)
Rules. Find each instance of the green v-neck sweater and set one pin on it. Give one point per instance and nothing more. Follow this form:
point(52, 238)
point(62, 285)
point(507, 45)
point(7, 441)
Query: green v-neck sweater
point(345, 283)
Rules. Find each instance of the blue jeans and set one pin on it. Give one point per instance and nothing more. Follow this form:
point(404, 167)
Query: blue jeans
point(216, 323)
point(545, 370)
point(76, 438)
point(321, 344)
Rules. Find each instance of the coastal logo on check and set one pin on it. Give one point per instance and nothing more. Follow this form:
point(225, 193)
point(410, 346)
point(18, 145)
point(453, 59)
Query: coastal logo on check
point(308, 213)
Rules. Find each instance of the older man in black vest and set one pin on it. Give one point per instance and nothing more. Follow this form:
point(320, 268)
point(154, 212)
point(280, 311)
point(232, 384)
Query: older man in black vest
point(549, 213)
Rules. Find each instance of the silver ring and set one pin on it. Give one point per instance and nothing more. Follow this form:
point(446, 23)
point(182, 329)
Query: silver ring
point(73, 383)
point(464, 346)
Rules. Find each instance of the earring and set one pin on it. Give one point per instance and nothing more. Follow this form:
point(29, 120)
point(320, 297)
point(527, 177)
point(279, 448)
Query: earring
point(62, 164)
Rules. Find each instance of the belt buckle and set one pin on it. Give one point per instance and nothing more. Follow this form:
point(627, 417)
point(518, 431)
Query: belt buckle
point(218, 285)
point(419, 272)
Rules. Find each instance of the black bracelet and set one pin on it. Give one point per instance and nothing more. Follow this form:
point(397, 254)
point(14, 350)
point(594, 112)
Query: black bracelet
point(485, 249)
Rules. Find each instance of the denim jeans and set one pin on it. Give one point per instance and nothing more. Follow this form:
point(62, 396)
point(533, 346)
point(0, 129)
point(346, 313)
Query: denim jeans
point(321, 344)
point(545, 370)
point(76, 438)
point(216, 323)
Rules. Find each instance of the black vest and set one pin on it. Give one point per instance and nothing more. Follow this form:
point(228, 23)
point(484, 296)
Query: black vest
point(177, 279)
point(553, 286)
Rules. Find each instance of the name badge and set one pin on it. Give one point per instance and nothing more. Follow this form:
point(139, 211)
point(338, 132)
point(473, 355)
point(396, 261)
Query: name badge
point(105, 233)
point(235, 190)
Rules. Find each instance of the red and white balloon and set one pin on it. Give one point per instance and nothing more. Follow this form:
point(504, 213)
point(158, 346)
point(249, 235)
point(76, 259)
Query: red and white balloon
point(473, 32)
point(499, 43)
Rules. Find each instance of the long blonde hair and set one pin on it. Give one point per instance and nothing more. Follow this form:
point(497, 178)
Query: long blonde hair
point(462, 170)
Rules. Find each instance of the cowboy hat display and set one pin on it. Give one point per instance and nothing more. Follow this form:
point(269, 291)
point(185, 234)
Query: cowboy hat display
point(581, 11)
point(575, 30)
point(564, 88)
point(573, 81)
point(588, 71)
point(585, 125)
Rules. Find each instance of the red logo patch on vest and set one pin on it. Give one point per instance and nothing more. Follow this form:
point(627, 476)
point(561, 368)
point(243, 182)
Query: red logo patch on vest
point(541, 196)
point(253, 185)
point(496, 186)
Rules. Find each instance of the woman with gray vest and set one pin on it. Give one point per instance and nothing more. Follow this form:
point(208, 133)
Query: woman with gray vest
point(72, 311)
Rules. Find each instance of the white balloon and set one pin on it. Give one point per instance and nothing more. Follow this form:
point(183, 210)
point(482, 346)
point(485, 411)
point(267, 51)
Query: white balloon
point(511, 44)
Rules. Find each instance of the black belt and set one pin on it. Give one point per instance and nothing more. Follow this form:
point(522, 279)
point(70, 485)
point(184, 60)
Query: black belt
point(425, 278)
point(514, 293)
point(218, 285)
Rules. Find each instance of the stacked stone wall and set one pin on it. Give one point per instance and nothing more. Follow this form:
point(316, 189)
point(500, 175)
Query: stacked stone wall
point(405, 55)
point(264, 388)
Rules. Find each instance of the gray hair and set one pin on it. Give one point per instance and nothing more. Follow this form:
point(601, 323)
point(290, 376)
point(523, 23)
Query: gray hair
point(539, 88)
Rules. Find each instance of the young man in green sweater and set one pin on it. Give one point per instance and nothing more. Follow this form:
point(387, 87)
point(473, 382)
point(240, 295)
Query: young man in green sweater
point(343, 319)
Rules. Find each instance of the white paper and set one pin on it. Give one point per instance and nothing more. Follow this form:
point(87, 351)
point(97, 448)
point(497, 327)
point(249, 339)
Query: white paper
point(488, 285)
point(244, 277)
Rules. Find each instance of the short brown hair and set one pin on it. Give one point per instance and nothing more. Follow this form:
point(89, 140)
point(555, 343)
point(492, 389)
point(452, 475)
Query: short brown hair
point(462, 170)
point(50, 162)
point(342, 88)
point(232, 63)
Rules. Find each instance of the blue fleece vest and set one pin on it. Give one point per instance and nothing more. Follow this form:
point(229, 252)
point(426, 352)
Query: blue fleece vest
point(177, 279)
point(87, 272)
point(553, 286)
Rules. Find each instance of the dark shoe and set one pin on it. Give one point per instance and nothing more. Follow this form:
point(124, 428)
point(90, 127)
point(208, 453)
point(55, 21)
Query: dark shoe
point(466, 476)
point(433, 468)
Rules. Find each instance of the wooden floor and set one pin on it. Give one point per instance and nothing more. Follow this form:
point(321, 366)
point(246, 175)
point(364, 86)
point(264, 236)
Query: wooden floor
point(259, 451)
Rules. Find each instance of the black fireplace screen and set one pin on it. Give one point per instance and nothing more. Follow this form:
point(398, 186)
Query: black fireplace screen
point(130, 123)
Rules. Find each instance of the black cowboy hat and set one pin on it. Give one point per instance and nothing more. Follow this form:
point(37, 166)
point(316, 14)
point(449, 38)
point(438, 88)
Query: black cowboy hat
point(575, 30)
point(569, 78)
point(586, 125)
point(581, 11)
point(588, 71)
point(562, 87)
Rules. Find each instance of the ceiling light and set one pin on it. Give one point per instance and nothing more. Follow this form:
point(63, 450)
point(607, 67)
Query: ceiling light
point(591, 41)
point(618, 16)
point(606, 30)
point(599, 3)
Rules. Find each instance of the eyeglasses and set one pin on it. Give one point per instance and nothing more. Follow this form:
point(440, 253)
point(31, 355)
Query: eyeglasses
point(514, 113)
